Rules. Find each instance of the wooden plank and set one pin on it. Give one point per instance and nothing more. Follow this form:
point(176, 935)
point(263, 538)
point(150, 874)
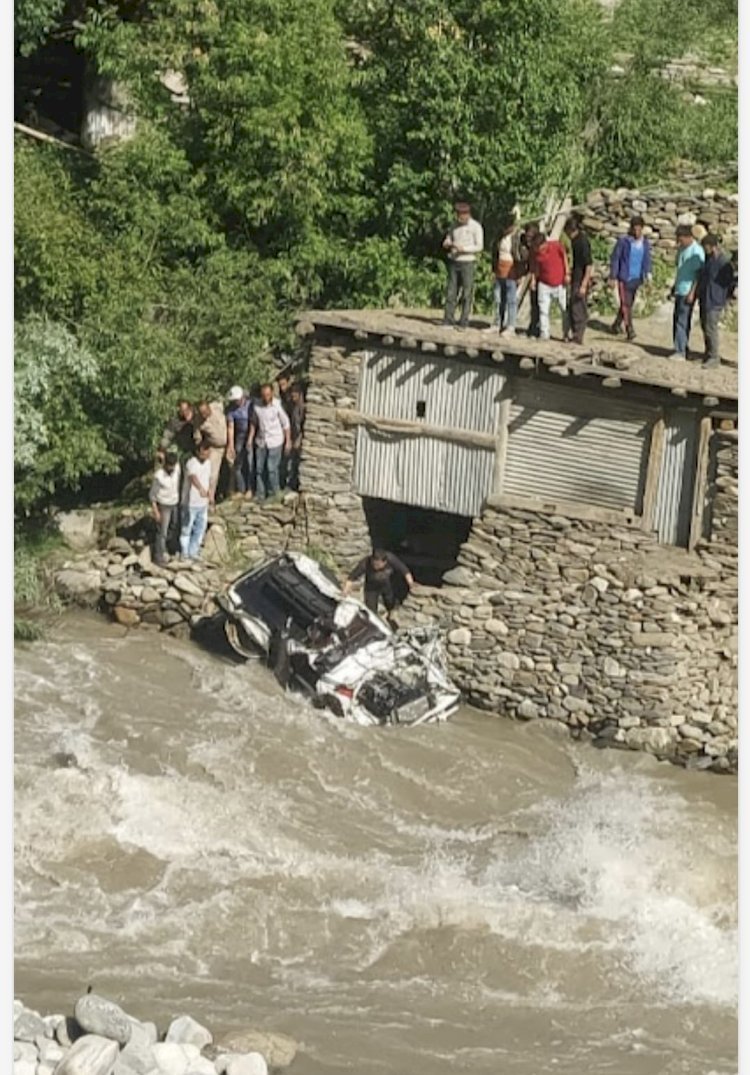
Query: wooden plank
point(501, 445)
point(701, 481)
point(653, 471)
point(50, 138)
point(400, 427)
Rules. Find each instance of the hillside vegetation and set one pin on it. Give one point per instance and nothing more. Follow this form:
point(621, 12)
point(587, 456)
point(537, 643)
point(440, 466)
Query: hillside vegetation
point(315, 163)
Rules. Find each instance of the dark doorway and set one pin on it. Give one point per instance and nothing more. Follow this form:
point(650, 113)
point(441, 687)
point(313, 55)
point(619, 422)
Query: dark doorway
point(427, 541)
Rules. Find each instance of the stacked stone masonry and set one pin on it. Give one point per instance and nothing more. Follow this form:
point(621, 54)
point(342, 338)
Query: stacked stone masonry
point(589, 623)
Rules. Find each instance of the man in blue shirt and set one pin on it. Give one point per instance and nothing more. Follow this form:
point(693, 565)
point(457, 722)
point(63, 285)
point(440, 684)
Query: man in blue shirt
point(689, 262)
point(239, 414)
point(716, 285)
point(629, 266)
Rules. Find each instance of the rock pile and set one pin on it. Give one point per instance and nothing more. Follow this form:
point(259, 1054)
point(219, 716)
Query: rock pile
point(607, 213)
point(101, 1039)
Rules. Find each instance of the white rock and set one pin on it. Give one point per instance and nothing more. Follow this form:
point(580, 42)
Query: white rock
point(459, 636)
point(78, 528)
point(247, 1064)
point(496, 627)
point(28, 1025)
point(600, 584)
point(52, 1022)
point(44, 1069)
point(201, 1066)
point(174, 1059)
point(184, 583)
point(25, 1050)
point(50, 1052)
point(90, 1055)
point(98, 1015)
point(24, 1067)
point(186, 1031)
point(508, 660)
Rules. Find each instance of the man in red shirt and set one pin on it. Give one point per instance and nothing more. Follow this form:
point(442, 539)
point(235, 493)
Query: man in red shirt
point(549, 277)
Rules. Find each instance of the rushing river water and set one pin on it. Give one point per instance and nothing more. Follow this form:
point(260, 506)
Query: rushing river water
point(479, 896)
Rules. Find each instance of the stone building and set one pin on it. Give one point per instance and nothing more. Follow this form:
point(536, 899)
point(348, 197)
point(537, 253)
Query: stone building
point(571, 514)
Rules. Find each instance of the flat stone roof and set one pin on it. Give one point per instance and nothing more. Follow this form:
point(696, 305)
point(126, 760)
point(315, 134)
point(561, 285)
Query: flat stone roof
point(615, 364)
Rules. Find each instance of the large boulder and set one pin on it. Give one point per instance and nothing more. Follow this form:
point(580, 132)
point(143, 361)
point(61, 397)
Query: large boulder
point(90, 1055)
point(79, 585)
point(100, 1016)
point(279, 1050)
point(78, 528)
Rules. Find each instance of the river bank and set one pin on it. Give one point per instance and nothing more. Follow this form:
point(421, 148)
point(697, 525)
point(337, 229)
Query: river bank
point(471, 897)
point(100, 1038)
point(601, 633)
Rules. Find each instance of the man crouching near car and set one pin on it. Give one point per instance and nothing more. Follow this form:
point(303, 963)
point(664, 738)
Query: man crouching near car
point(379, 569)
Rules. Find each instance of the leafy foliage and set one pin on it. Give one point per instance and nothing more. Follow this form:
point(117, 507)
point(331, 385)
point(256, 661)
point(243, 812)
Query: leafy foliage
point(315, 164)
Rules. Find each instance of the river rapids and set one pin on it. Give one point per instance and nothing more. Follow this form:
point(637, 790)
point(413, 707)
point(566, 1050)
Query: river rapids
point(480, 896)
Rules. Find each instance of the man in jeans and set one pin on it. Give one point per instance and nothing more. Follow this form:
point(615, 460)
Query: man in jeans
point(508, 266)
point(689, 263)
point(629, 266)
point(464, 242)
point(196, 497)
point(716, 285)
point(549, 278)
point(270, 431)
point(239, 414)
point(583, 266)
point(165, 502)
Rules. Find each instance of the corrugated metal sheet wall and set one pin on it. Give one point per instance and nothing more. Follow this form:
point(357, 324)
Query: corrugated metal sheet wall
point(569, 444)
point(674, 497)
point(424, 471)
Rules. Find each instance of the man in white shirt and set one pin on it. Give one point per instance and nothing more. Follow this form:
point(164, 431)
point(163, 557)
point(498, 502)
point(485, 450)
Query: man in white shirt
point(196, 496)
point(464, 242)
point(270, 431)
point(165, 502)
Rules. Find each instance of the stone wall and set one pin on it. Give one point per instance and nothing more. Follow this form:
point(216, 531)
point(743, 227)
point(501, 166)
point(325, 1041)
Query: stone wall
point(593, 624)
point(607, 215)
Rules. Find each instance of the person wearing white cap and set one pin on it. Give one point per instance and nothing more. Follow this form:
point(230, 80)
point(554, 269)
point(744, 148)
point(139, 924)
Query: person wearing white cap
point(239, 414)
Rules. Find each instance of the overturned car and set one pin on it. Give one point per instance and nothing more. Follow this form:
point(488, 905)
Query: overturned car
point(332, 647)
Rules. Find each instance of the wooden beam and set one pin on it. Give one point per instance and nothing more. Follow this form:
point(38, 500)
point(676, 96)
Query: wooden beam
point(701, 482)
point(402, 428)
point(653, 472)
point(501, 446)
point(50, 138)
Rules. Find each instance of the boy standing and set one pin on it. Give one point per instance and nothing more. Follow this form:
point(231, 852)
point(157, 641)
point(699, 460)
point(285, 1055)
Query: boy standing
point(197, 495)
point(165, 501)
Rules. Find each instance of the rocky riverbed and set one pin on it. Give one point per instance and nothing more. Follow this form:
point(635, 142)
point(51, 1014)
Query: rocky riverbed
point(100, 1038)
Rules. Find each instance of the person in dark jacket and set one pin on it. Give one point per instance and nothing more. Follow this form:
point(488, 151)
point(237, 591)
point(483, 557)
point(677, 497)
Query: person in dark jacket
point(379, 570)
point(580, 277)
point(716, 285)
point(629, 267)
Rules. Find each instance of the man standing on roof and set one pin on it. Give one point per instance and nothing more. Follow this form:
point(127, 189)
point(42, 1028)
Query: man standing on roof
point(688, 267)
point(549, 278)
point(629, 266)
point(378, 570)
point(716, 285)
point(583, 267)
point(270, 431)
point(464, 242)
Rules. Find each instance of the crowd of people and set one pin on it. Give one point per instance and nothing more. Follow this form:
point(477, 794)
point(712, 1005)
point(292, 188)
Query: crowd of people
point(247, 447)
point(562, 274)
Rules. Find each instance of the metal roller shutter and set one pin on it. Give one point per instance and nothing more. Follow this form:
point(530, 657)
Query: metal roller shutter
point(568, 444)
